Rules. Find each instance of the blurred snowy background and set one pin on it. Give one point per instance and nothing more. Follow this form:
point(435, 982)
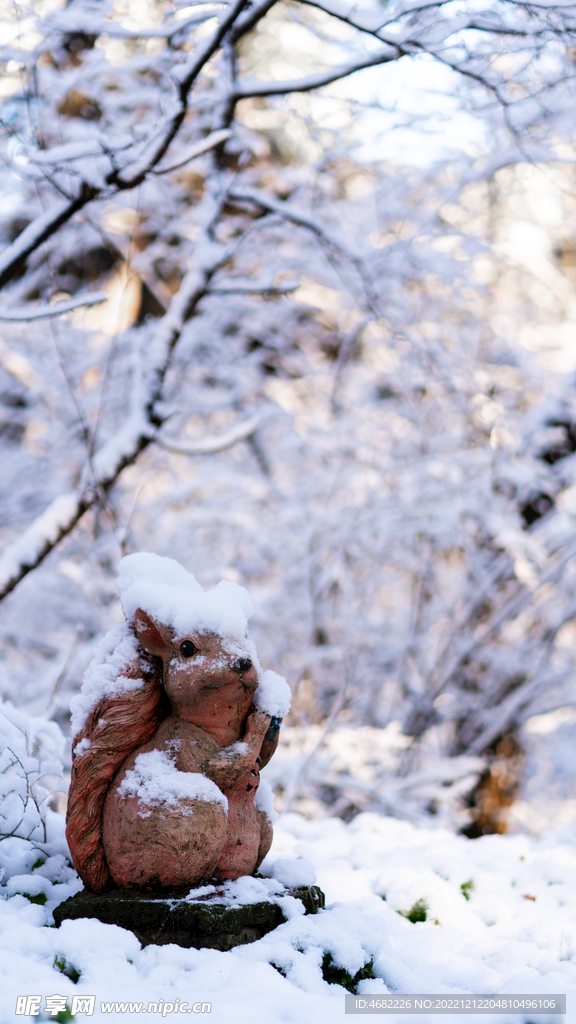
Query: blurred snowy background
point(289, 295)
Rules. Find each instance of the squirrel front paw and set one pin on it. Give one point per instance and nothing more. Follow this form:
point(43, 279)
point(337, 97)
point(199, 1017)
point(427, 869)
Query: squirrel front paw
point(257, 725)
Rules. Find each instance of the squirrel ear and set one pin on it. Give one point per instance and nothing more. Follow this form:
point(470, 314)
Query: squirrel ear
point(149, 634)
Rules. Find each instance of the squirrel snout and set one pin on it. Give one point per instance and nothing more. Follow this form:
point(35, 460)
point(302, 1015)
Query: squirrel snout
point(242, 665)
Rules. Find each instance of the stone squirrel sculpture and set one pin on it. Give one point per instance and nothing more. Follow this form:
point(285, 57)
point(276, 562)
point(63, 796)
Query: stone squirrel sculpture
point(176, 719)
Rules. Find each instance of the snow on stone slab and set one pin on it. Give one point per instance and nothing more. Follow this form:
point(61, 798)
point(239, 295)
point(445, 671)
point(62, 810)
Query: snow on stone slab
point(156, 781)
point(249, 890)
point(200, 891)
point(172, 596)
point(103, 677)
point(291, 873)
point(256, 890)
point(496, 940)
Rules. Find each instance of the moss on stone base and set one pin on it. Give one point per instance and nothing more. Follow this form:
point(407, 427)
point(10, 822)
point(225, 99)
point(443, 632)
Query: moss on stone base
point(207, 922)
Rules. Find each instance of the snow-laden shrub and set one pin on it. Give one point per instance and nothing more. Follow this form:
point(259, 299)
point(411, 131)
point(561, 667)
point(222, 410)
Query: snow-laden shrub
point(31, 774)
point(343, 771)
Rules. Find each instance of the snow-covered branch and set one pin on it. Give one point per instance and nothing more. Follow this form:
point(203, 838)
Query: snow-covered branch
point(254, 87)
point(14, 258)
point(49, 312)
point(210, 142)
point(250, 19)
point(338, 249)
point(247, 287)
point(186, 77)
point(503, 614)
point(290, 213)
point(107, 464)
point(28, 782)
point(217, 442)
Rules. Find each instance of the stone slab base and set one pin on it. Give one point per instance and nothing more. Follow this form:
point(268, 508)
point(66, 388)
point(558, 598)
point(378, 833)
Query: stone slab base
point(208, 922)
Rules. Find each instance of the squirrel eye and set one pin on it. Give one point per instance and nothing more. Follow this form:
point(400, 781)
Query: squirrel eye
point(187, 649)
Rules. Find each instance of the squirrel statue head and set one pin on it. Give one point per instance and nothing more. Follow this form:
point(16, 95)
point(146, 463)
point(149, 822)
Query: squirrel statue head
point(208, 680)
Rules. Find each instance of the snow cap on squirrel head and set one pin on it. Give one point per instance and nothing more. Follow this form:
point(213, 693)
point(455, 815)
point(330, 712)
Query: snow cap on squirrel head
point(172, 596)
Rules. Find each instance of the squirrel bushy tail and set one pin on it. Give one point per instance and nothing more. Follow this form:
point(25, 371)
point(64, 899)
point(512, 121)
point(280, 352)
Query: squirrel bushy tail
point(116, 726)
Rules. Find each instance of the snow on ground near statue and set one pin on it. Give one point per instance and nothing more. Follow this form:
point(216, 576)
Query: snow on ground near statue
point(498, 940)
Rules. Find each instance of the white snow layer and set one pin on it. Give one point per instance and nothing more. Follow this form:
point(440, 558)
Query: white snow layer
point(103, 677)
point(290, 873)
point(273, 694)
point(264, 800)
point(247, 890)
point(156, 781)
point(173, 597)
point(498, 940)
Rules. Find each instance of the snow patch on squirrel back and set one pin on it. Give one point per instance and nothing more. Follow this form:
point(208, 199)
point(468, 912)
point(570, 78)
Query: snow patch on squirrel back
point(118, 652)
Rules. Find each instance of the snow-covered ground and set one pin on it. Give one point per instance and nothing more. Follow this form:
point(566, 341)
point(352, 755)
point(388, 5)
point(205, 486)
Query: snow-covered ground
point(516, 931)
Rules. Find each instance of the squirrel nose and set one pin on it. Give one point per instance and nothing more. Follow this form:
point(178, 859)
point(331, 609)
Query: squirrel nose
point(242, 665)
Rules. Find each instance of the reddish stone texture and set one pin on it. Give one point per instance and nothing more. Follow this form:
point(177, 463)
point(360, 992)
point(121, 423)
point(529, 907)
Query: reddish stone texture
point(197, 709)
